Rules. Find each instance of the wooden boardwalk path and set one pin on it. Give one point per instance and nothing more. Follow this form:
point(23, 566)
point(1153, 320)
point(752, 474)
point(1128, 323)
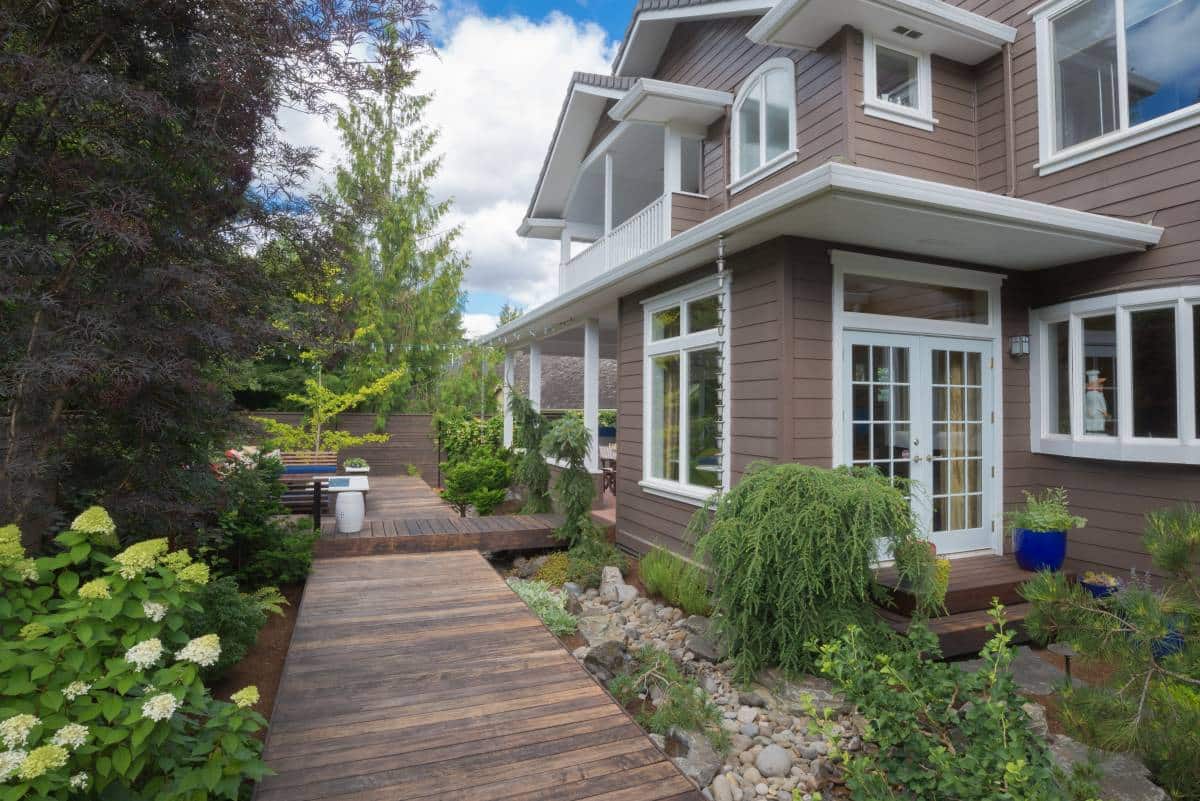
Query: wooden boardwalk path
point(404, 515)
point(423, 677)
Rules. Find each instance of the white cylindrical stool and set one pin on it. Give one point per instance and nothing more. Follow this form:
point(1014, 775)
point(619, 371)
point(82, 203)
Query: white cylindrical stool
point(349, 511)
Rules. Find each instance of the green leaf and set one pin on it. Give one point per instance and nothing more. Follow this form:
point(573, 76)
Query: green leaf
point(121, 760)
point(85, 633)
point(80, 553)
point(68, 582)
point(111, 707)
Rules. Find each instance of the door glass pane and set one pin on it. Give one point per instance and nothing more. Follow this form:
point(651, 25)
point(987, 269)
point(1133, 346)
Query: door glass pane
point(1059, 391)
point(704, 445)
point(870, 295)
point(881, 434)
point(1153, 356)
point(749, 135)
point(779, 105)
point(1085, 72)
point(1100, 375)
point(1162, 56)
point(957, 447)
point(665, 324)
point(703, 315)
point(664, 421)
point(896, 77)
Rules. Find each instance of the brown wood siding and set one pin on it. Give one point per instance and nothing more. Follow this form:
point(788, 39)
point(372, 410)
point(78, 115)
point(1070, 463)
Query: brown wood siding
point(812, 352)
point(718, 55)
point(413, 441)
point(686, 211)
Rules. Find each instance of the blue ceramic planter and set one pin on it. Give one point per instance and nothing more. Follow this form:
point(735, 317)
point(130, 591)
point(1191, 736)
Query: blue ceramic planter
point(1099, 590)
point(1040, 550)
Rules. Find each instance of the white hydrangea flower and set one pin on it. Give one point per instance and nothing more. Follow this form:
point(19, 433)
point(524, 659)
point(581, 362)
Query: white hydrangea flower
point(154, 611)
point(204, 651)
point(160, 707)
point(145, 653)
point(80, 781)
point(76, 689)
point(72, 736)
point(15, 730)
point(10, 761)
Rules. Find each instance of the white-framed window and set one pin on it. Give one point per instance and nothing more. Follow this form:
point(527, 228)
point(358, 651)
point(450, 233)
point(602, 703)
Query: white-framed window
point(685, 392)
point(764, 123)
point(1114, 377)
point(897, 84)
point(1113, 74)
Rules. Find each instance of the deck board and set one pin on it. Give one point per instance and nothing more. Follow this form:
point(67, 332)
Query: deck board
point(424, 677)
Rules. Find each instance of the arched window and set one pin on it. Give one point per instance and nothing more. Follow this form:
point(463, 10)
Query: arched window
point(764, 118)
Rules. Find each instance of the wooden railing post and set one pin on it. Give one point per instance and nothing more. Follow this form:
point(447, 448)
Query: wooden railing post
point(316, 508)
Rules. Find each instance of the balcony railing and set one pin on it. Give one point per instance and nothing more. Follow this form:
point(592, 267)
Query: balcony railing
point(648, 228)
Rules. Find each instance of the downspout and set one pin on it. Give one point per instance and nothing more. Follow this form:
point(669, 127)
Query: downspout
point(1010, 125)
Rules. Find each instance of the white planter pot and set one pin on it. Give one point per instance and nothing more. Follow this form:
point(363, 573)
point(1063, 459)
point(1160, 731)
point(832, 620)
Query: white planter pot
point(349, 512)
point(357, 469)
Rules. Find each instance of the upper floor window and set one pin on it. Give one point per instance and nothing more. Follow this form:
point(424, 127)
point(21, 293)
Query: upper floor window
point(897, 84)
point(764, 121)
point(1113, 73)
point(1115, 377)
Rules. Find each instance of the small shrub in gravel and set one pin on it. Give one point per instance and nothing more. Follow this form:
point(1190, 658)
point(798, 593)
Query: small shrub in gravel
point(546, 604)
point(556, 570)
point(676, 581)
point(653, 676)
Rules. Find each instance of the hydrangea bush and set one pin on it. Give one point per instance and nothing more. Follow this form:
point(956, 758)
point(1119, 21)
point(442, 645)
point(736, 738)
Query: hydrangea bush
point(100, 689)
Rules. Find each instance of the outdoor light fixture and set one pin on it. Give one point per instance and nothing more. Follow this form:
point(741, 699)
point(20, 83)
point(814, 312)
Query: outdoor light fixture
point(1019, 345)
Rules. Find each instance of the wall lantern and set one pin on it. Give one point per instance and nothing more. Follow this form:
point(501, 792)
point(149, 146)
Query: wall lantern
point(1019, 345)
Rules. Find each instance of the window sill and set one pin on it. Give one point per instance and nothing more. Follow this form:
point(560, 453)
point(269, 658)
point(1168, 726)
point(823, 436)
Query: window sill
point(1117, 141)
point(899, 114)
point(694, 496)
point(782, 161)
point(1165, 451)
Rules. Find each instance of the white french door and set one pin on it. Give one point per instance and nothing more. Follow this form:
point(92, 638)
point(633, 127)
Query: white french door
point(920, 407)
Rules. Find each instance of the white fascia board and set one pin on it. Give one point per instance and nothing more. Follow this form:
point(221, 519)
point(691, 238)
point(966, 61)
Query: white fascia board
point(951, 18)
point(545, 227)
point(647, 88)
point(672, 16)
point(875, 185)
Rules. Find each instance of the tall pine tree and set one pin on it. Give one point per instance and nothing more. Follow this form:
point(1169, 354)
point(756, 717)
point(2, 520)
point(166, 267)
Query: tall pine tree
point(404, 279)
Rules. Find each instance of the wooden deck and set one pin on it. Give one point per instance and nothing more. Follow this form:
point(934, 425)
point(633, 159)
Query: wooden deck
point(424, 677)
point(405, 515)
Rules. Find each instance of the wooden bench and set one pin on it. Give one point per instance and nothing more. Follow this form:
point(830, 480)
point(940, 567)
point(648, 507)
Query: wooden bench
point(309, 463)
point(306, 483)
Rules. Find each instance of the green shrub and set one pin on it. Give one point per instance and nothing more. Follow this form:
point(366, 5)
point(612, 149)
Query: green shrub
point(588, 559)
point(676, 581)
point(356, 462)
point(233, 616)
point(532, 473)
point(110, 669)
point(480, 482)
point(791, 550)
point(568, 441)
point(556, 570)
point(654, 674)
point(548, 606)
point(942, 734)
point(1048, 511)
point(1149, 635)
point(462, 437)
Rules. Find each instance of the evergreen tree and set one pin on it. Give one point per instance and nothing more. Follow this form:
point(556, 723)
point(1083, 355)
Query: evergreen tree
point(404, 275)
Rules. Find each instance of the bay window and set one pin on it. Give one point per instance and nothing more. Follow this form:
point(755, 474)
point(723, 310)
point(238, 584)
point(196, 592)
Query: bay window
point(1114, 73)
point(685, 392)
point(1114, 377)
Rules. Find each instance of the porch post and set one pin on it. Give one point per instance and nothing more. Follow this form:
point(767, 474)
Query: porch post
point(505, 394)
point(591, 390)
point(535, 375)
point(608, 193)
point(564, 256)
point(672, 160)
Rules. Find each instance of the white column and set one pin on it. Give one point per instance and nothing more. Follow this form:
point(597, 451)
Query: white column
point(608, 193)
point(591, 390)
point(505, 394)
point(564, 257)
point(672, 160)
point(535, 375)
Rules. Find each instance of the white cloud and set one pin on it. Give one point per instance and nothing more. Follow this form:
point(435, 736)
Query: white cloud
point(476, 325)
point(498, 84)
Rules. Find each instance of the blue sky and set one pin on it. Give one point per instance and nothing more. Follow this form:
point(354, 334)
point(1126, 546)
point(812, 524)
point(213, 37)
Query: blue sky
point(612, 15)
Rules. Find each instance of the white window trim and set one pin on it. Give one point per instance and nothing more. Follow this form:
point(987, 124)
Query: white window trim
point(789, 156)
point(920, 117)
point(707, 287)
point(1184, 449)
point(1051, 161)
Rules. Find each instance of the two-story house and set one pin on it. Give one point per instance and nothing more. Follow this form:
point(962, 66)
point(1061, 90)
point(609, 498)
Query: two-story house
point(957, 241)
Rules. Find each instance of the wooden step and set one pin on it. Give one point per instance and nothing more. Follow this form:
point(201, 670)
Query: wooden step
point(964, 632)
point(974, 582)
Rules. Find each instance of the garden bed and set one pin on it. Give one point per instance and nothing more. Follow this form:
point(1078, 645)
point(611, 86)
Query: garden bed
point(263, 665)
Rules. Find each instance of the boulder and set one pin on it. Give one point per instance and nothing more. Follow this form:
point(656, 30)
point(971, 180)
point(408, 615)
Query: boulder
point(721, 790)
point(693, 755)
point(573, 605)
point(598, 629)
point(696, 624)
point(774, 761)
point(626, 594)
point(572, 589)
point(704, 648)
point(1123, 776)
point(610, 580)
point(1037, 718)
point(606, 660)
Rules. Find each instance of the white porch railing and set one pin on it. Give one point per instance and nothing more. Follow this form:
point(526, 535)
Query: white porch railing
point(648, 228)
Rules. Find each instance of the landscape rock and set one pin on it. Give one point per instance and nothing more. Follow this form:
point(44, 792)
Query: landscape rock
point(696, 624)
point(572, 589)
point(1123, 776)
point(693, 755)
point(606, 660)
point(597, 629)
point(626, 594)
point(610, 580)
point(774, 761)
point(526, 568)
point(573, 605)
point(1032, 674)
point(1037, 718)
point(704, 648)
point(721, 791)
